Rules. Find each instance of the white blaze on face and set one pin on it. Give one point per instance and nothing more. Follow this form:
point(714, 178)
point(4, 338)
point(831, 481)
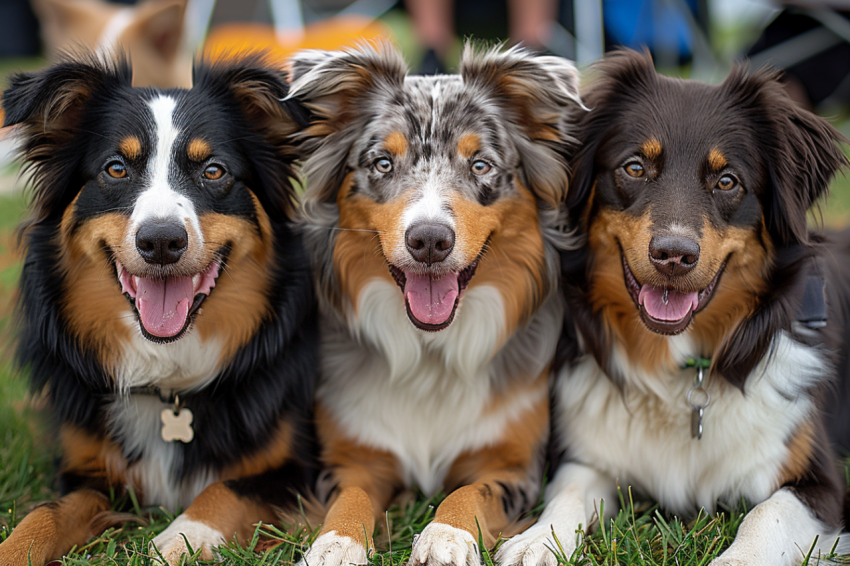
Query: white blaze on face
point(159, 201)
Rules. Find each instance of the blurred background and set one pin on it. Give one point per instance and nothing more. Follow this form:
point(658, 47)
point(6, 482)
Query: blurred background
point(699, 39)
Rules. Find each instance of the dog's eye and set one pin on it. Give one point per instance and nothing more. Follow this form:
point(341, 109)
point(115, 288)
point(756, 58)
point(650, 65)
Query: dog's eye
point(634, 169)
point(213, 172)
point(481, 167)
point(116, 169)
point(727, 182)
point(383, 165)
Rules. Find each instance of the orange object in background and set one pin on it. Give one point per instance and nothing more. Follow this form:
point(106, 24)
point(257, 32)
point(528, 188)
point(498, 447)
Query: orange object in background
point(332, 33)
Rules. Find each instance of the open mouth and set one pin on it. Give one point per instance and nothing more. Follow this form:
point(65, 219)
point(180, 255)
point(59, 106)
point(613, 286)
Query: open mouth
point(167, 306)
point(431, 300)
point(667, 310)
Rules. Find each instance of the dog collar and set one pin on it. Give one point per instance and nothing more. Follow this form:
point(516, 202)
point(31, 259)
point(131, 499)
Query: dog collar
point(176, 421)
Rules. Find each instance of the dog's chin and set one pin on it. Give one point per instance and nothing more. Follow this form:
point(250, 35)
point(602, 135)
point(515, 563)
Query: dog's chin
point(431, 300)
point(667, 310)
point(166, 307)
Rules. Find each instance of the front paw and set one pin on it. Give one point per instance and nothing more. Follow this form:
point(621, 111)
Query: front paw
point(534, 547)
point(171, 543)
point(444, 545)
point(331, 549)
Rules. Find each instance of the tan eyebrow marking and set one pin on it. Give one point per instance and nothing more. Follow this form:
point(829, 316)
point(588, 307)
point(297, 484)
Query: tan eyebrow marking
point(651, 148)
point(396, 144)
point(468, 145)
point(131, 147)
point(716, 160)
point(198, 150)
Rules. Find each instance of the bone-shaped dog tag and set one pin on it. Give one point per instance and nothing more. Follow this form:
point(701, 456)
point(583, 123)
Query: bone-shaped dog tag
point(177, 425)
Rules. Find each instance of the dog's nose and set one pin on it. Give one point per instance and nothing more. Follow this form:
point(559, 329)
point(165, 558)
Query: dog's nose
point(161, 243)
point(673, 255)
point(429, 243)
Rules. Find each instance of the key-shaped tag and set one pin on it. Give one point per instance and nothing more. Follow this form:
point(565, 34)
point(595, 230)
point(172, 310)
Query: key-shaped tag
point(177, 425)
point(696, 422)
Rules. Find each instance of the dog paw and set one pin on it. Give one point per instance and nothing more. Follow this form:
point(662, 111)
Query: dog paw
point(534, 547)
point(171, 543)
point(444, 545)
point(333, 550)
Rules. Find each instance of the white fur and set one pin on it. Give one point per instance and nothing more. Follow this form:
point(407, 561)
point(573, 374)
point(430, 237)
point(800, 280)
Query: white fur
point(444, 544)
point(779, 532)
point(135, 420)
point(159, 201)
point(188, 364)
point(426, 394)
point(642, 434)
point(172, 545)
point(573, 502)
point(333, 550)
point(430, 204)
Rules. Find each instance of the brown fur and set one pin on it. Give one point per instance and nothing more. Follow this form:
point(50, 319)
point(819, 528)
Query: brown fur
point(734, 297)
point(65, 523)
point(801, 448)
point(198, 149)
point(367, 229)
point(514, 251)
point(131, 147)
point(232, 515)
point(716, 160)
point(651, 148)
point(396, 144)
point(363, 481)
point(468, 145)
point(93, 309)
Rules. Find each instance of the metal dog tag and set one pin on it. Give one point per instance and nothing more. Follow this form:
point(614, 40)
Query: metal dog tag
point(177, 425)
point(696, 422)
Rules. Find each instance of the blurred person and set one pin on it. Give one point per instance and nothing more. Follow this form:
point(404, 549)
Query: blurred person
point(435, 23)
point(810, 40)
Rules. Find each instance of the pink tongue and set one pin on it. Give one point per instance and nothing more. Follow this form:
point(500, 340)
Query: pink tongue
point(431, 300)
point(163, 305)
point(678, 304)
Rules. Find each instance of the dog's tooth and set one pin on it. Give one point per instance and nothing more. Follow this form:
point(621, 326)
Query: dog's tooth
point(196, 280)
point(135, 282)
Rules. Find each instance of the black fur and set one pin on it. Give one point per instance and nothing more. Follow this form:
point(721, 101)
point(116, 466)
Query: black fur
point(70, 115)
point(785, 158)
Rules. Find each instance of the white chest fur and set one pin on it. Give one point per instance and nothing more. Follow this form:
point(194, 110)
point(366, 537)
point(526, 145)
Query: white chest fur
point(189, 363)
point(135, 420)
point(642, 436)
point(425, 397)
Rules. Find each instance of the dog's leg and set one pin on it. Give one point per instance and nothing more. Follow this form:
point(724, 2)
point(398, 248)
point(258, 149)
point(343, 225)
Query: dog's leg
point(54, 528)
point(498, 483)
point(573, 501)
point(779, 532)
point(358, 485)
point(218, 514)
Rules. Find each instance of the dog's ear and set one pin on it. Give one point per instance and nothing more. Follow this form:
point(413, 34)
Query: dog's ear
point(537, 94)
point(47, 107)
point(160, 24)
point(620, 74)
point(330, 85)
point(802, 152)
point(50, 102)
point(259, 88)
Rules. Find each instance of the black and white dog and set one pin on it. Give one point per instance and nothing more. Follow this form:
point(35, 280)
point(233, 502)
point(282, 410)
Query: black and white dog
point(166, 302)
